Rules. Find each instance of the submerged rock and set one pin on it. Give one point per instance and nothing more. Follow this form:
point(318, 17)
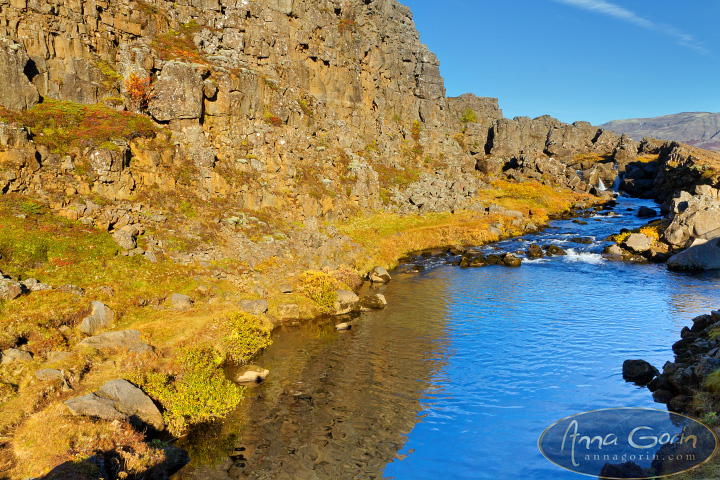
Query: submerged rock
point(251, 374)
point(376, 302)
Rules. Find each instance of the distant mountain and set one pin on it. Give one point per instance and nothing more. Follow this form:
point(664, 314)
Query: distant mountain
point(700, 129)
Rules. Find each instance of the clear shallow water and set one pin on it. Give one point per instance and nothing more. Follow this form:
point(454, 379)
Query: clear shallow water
point(460, 374)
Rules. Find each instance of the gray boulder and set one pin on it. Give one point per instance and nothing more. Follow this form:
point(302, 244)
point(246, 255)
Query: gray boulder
point(129, 339)
point(638, 243)
point(379, 275)
point(255, 307)
point(132, 402)
point(100, 317)
point(346, 302)
point(49, 375)
point(17, 92)
point(119, 400)
point(646, 212)
point(341, 327)
point(705, 256)
point(376, 302)
point(126, 237)
point(178, 93)
point(180, 301)
point(13, 355)
point(10, 289)
point(91, 405)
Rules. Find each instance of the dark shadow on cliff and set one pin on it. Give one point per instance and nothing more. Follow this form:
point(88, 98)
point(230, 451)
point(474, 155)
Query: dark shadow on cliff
point(112, 465)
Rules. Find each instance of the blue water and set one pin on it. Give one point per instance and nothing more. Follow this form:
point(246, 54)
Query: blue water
point(530, 346)
point(465, 368)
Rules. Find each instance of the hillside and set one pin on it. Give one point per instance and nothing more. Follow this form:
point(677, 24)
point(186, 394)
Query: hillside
point(699, 129)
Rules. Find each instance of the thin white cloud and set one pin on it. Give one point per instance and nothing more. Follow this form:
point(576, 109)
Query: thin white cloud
point(621, 13)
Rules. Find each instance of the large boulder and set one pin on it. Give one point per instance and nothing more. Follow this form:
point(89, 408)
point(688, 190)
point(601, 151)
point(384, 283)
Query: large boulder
point(16, 93)
point(119, 400)
point(638, 371)
point(10, 289)
point(100, 317)
point(705, 256)
point(346, 302)
point(126, 237)
point(128, 339)
point(379, 275)
point(376, 301)
point(638, 243)
point(180, 301)
point(178, 93)
point(13, 355)
point(254, 307)
point(131, 401)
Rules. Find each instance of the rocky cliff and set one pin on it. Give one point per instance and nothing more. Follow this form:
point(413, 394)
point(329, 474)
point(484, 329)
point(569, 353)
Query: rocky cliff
point(170, 161)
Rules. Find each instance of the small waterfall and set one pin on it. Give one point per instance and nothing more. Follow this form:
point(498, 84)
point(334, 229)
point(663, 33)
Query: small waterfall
point(616, 183)
point(601, 185)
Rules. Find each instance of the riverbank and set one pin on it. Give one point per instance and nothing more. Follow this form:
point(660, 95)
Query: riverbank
point(81, 265)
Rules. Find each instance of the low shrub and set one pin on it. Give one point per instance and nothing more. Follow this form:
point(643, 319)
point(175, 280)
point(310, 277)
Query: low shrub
point(62, 126)
point(321, 288)
point(199, 394)
point(247, 335)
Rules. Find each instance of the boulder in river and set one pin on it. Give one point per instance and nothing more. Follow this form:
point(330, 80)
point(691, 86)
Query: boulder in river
point(510, 260)
point(554, 250)
point(535, 251)
point(343, 326)
point(376, 302)
point(646, 212)
point(638, 371)
point(379, 275)
point(705, 256)
point(251, 374)
point(638, 243)
point(345, 302)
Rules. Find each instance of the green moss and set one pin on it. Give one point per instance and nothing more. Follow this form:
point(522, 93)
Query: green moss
point(247, 336)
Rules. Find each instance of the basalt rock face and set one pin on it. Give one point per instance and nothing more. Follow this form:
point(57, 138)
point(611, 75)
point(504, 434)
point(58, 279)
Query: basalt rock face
point(298, 109)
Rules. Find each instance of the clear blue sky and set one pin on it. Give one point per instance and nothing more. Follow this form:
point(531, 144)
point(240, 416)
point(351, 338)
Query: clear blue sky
point(594, 60)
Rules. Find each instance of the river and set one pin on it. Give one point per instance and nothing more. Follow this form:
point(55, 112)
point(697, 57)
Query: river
point(465, 368)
